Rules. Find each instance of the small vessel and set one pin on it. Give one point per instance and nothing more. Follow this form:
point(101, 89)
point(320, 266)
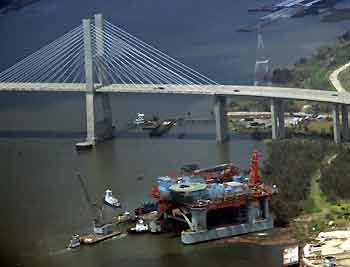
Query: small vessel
point(140, 119)
point(94, 238)
point(74, 242)
point(110, 200)
point(84, 146)
point(164, 127)
point(140, 227)
point(150, 125)
point(125, 217)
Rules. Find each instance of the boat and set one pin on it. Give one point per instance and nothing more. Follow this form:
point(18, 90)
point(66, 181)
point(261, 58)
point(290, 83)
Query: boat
point(140, 119)
point(125, 217)
point(140, 228)
point(110, 200)
point(164, 127)
point(150, 125)
point(84, 146)
point(74, 242)
point(94, 238)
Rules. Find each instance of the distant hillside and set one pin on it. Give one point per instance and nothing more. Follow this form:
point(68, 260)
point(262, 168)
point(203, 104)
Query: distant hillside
point(4, 3)
point(8, 5)
point(313, 72)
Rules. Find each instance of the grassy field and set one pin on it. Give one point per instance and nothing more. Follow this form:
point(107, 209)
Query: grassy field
point(315, 201)
point(320, 126)
point(312, 181)
point(320, 214)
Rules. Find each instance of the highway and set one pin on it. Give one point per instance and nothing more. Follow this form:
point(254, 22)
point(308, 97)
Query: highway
point(226, 90)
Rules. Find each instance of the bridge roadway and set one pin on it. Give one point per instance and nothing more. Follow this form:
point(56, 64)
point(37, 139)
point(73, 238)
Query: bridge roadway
point(100, 130)
point(224, 90)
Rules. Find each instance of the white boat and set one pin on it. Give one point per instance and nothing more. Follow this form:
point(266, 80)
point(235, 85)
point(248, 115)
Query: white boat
point(140, 119)
point(110, 200)
point(140, 227)
point(74, 242)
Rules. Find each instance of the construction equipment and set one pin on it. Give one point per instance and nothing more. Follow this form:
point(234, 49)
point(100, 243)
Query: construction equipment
point(99, 227)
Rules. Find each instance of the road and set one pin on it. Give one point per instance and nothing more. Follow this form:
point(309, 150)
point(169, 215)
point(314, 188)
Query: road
point(335, 80)
point(225, 90)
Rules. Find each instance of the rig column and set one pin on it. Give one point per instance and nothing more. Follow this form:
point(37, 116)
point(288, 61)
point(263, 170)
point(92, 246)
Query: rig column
point(345, 122)
point(199, 219)
point(220, 118)
point(266, 208)
point(253, 210)
point(336, 124)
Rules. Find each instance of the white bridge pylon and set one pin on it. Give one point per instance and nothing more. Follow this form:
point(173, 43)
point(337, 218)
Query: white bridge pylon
point(100, 58)
point(115, 57)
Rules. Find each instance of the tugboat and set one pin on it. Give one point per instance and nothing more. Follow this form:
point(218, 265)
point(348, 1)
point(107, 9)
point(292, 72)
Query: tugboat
point(74, 242)
point(140, 228)
point(110, 200)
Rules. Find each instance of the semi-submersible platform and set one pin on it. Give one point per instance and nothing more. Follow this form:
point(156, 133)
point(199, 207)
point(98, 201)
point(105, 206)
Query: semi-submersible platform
point(213, 203)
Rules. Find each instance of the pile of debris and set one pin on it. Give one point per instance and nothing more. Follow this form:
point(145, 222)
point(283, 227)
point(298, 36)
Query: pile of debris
point(328, 249)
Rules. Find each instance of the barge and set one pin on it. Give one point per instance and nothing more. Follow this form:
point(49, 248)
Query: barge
point(162, 128)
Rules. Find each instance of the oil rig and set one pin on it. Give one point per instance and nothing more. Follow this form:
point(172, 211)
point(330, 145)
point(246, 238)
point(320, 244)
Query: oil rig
point(212, 203)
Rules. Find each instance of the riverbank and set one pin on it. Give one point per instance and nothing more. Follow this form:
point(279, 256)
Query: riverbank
point(311, 176)
point(316, 72)
point(297, 125)
point(11, 5)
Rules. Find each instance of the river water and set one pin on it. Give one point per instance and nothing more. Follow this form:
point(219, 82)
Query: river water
point(41, 201)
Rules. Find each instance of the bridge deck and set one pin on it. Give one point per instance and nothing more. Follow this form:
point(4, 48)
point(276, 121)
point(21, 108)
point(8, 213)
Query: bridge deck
point(228, 90)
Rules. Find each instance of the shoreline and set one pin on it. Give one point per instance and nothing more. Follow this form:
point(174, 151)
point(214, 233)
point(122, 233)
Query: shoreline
point(14, 5)
point(315, 71)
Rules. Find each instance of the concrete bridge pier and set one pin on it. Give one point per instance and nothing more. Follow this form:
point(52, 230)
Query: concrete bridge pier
point(98, 118)
point(345, 122)
point(220, 118)
point(281, 127)
point(98, 109)
point(277, 119)
point(336, 124)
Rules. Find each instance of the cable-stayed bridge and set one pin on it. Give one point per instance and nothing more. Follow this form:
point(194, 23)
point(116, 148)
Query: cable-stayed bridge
point(97, 58)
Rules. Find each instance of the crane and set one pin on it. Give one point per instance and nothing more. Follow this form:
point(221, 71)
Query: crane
point(96, 213)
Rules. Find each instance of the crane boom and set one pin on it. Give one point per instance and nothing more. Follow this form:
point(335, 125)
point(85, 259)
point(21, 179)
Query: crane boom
point(94, 210)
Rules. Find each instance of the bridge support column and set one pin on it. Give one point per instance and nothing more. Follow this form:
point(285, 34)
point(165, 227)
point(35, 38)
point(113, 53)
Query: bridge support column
point(274, 123)
point(281, 128)
point(277, 119)
point(336, 124)
point(98, 110)
point(220, 118)
point(345, 122)
point(98, 117)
